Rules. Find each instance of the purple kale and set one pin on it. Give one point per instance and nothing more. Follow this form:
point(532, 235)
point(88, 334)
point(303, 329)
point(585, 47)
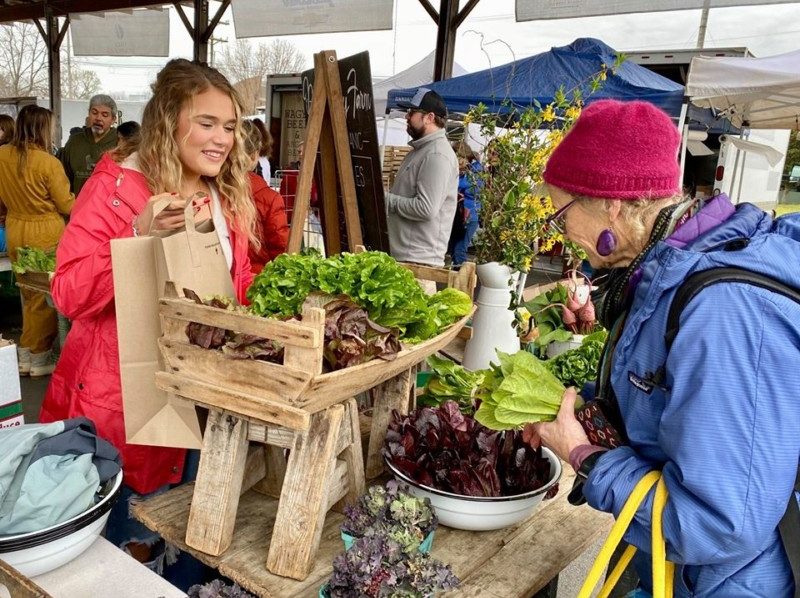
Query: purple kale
point(392, 511)
point(447, 450)
point(217, 589)
point(377, 567)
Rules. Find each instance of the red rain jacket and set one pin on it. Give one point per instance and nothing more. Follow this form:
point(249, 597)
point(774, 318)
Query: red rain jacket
point(86, 380)
point(272, 226)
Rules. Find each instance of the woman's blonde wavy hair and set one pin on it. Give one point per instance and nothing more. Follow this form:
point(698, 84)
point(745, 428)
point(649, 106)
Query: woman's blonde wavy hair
point(158, 149)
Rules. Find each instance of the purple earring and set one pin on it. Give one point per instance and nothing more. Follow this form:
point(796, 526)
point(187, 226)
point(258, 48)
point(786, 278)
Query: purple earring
point(606, 242)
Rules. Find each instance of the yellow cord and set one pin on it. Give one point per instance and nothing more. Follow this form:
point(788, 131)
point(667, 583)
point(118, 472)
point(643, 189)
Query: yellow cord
point(663, 570)
point(617, 531)
point(619, 569)
point(659, 547)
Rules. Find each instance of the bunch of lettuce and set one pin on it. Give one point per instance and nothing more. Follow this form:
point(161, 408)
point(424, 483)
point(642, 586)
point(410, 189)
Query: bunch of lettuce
point(449, 381)
point(444, 449)
point(578, 366)
point(33, 259)
point(546, 315)
point(520, 390)
point(374, 280)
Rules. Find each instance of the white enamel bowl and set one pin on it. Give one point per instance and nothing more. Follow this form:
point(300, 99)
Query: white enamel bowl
point(34, 553)
point(479, 513)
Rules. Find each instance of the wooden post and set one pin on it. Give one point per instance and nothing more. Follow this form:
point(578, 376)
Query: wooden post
point(219, 483)
point(327, 130)
point(353, 457)
point(303, 504)
point(333, 242)
point(303, 194)
point(344, 161)
point(18, 585)
point(392, 394)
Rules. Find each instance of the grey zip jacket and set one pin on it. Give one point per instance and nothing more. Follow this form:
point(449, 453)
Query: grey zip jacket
point(422, 202)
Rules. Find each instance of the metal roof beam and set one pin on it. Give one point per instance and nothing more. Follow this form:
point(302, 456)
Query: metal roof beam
point(60, 8)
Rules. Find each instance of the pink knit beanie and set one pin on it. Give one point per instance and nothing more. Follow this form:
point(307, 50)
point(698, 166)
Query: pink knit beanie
point(618, 150)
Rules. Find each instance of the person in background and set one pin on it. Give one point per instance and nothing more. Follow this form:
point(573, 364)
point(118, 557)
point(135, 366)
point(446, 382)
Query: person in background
point(128, 131)
point(422, 202)
point(83, 149)
point(263, 169)
point(272, 227)
point(35, 192)
point(6, 134)
point(191, 141)
point(6, 129)
point(469, 186)
point(716, 413)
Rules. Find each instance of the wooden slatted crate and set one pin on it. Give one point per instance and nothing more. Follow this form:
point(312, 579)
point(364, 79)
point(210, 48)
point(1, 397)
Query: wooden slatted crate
point(393, 156)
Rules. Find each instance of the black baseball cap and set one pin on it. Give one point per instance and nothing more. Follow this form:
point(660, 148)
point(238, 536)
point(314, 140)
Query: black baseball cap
point(427, 100)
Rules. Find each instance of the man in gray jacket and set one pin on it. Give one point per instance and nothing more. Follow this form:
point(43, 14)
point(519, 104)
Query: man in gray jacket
point(422, 202)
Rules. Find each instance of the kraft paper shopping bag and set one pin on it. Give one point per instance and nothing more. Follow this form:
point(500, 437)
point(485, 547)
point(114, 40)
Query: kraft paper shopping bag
point(191, 258)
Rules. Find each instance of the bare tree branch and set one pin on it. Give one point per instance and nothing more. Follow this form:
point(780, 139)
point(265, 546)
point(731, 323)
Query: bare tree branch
point(247, 65)
point(23, 66)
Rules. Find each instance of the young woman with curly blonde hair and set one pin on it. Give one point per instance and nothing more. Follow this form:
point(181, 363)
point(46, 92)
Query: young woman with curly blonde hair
point(191, 141)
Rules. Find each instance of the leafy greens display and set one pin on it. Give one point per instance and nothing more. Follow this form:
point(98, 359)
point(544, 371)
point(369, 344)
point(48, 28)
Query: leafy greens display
point(391, 511)
point(378, 567)
point(351, 337)
point(372, 279)
point(33, 259)
point(450, 382)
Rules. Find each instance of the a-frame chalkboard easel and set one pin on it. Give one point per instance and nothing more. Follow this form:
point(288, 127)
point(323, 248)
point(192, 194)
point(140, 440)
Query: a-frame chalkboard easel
point(327, 131)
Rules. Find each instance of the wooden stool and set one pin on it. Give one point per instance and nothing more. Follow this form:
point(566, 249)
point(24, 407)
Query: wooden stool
point(324, 469)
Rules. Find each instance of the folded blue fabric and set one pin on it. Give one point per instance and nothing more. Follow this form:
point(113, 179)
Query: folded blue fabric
point(50, 473)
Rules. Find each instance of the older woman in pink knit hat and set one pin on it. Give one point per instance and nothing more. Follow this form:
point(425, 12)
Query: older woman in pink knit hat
point(709, 396)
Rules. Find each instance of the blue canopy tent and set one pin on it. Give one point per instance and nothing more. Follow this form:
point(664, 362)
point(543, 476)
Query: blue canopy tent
point(539, 77)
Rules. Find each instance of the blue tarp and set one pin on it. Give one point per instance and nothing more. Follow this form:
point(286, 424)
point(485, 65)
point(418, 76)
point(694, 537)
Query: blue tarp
point(539, 77)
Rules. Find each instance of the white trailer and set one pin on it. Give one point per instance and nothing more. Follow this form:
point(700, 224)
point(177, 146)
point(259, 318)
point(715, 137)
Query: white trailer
point(716, 161)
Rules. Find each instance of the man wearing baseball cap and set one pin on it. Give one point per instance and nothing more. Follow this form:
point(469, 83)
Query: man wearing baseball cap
point(422, 202)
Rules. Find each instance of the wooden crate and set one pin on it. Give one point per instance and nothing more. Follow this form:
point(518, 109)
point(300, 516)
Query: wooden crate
point(290, 406)
point(393, 156)
point(35, 281)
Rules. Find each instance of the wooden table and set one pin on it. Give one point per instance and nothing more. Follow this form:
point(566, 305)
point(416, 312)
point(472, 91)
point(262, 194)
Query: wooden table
point(518, 562)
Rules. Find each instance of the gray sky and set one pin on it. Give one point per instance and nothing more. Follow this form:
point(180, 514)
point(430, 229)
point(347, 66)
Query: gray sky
point(766, 30)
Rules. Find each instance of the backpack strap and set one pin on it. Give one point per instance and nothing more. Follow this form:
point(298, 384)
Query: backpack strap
point(789, 526)
point(705, 278)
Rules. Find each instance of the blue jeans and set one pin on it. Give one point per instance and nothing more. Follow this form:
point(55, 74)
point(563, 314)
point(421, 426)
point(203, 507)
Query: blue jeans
point(462, 245)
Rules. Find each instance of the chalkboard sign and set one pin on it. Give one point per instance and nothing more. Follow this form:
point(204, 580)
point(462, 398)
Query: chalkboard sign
point(362, 135)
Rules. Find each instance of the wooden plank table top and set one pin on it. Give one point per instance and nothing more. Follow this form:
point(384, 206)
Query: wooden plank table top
point(510, 563)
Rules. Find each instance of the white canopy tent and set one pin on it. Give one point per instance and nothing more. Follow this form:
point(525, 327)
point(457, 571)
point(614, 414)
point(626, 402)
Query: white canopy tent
point(414, 76)
point(394, 128)
point(760, 93)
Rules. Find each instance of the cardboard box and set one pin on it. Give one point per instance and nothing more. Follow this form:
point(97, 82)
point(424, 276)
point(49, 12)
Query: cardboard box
point(10, 393)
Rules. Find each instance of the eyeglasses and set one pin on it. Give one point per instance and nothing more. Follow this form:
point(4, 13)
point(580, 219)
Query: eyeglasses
point(557, 220)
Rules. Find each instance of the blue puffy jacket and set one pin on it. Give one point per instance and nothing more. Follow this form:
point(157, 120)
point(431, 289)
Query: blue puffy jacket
point(725, 429)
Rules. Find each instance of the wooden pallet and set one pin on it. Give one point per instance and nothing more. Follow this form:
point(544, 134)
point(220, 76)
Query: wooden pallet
point(290, 406)
point(393, 156)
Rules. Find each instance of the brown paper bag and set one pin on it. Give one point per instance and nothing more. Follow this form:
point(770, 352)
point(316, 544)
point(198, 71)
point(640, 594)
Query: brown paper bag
point(191, 258)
